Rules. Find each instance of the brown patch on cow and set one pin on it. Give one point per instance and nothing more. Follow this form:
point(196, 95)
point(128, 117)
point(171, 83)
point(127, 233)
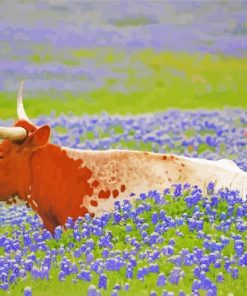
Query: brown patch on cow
point(172, 157)
point(182, 164)
point(164, 157)
point(95, 183)
point(113, 178)
point(70, 185)
point(104, 194)
point(169, 179)
point(9, 202)
point(166, 172)
point(94, 203)
point(146, 153)
point(179, 170)
point(122, 189)
point(115, 193)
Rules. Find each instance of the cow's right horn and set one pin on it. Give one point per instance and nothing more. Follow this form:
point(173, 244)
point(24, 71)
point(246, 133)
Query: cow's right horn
point(20, 109)
point(13, 133)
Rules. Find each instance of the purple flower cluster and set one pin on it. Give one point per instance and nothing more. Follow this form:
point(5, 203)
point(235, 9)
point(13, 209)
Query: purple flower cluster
point(146, 243)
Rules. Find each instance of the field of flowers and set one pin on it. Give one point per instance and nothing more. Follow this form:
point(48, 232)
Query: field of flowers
point(130, 57)
point(139, 56)
point(181, 242)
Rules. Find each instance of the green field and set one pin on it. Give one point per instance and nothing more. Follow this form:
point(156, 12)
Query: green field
point(153, 81)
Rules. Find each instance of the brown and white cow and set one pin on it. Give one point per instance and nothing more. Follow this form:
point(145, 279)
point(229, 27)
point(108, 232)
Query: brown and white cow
point(58, 182)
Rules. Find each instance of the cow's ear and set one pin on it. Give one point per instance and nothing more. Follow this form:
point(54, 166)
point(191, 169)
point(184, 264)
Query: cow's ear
point(41, 136)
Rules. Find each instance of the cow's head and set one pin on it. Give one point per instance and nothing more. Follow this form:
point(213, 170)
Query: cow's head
point(17, 146)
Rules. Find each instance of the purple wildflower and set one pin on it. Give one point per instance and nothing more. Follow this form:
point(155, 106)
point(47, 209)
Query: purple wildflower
point(27, 291)
point(92, 291)
point(102, 281)
point(161, 280)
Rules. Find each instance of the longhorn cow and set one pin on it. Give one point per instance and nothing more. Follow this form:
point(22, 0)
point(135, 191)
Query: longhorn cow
point(58, 182)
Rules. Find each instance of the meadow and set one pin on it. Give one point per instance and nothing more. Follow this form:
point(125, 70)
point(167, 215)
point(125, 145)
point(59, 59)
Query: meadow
point(161, 76)
point(141, 81)
point(181, 242)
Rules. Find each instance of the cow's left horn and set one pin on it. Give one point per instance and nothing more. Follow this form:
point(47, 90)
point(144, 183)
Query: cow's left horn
point(13, 133)
point(20, 109)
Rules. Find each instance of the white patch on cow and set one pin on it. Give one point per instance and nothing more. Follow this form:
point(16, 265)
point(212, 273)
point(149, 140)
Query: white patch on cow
point(28, 196)
point(228, 164)
point(141, 172)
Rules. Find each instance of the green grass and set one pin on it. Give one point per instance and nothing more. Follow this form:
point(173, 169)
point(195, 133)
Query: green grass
point(153, 81)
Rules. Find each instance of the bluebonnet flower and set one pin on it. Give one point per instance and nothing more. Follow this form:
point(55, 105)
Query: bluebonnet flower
point(105, 252)
point(161, 280)
point(168, 251)
point(97, 265)
point(128, 228)
point(4, 286)
point(210, 187)
point(143, 196)
point(117, 206)
point(220, 278)
point(177, 190)
point(77, 253)
point(89, 257)
point(141, 272)
point(243, 260)
point(89, 244)
point(166, 191)
point(117, 217)
point(235, 273)
point(129, 273)
point(192, 199)
point(58, 232)
point(126, 286)
point(154, 268)
point(114, 292)
point(155, 218)
point(117, 287)
point(102, 284)
point(105, 241)
point(113, 264)
point(61, 276)
point(27, 291)
point(92, 291)
point(175, 275)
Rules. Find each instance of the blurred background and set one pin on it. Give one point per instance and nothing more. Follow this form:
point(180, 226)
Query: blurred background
point(122, 56)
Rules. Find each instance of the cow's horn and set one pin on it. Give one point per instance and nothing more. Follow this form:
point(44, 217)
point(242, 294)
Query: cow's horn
point(13, 133)
point(20, 109)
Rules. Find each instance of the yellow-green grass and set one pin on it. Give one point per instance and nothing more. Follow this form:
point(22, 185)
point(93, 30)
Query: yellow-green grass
point(153, 81)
